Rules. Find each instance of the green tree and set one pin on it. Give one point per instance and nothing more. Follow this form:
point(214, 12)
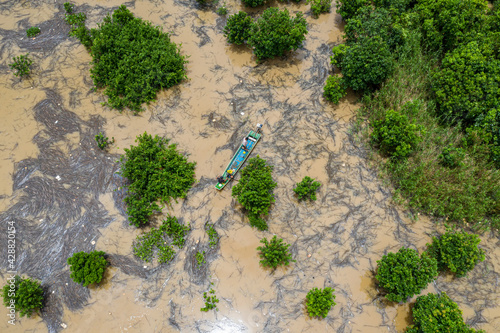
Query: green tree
point(24, 294)
point(238, 27)
point(395, 135)
point(155, 171)
point(437, 313)
point(404, 274)
point(274, 253)
point(349, 8)
point(253, 3)
point(276, 33)
point(319, 302)
point(456, 251)
point(367, 63)
point(254, 191)
point(87, 268)
point(338, 55)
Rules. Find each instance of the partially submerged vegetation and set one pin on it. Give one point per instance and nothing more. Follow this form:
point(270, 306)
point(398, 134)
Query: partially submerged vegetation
point(23, 295)
point(87, 268)
point(274, 253)
point(22, 65)
point(306, 189)
point(319, 302)
point(156, 171)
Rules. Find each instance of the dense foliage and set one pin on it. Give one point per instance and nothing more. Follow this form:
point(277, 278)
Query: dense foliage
point(452, 157)
point(276, 32)
point(307, 188)
point(338, 55)
point(87, 268)
point(274, 253)
point(22, 65)
point(24, 294)
point(319, 302)
point(145, 245)
point(334, 89)
point(253, 3)
point(395, 135)
point(254, 191)
point(456, 251)
point(33, 31)
point(349, 8)
point(320, 6)
point(156, 171)
point(437, 313)
point(404, 274)
point(238, 27)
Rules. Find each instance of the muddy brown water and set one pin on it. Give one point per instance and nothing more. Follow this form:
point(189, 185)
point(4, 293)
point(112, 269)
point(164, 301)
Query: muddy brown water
point(59, 189)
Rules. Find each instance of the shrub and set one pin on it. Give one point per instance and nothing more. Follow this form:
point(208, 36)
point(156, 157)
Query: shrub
point(395, 135)
point(156, 171)
point(404, 274)
point(467, 84)
point(276, 32)
point(87, 268)
point(253, 3)
point(307, 188)
point(132, 60)
point(213, 236)
point(254, 191)
point(68, 7)
point(210, 301)
point(451, 157)
point(399, 6)
point(32, 32)
point(222, 10)
point(200, 258)
point(367, 63)
point(456, 251)
point(22, 65)
point(437, 313)
point(103, 141)
point(320, 6)
point(175, 230)
point(25, 294)
point(319, 302)
point(334, 89)
point(348, 8)
point(338, 55)
point(274, 253)
point(237, 29)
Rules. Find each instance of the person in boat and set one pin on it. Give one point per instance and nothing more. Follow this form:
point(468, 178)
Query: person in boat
point(244, 143)
point(230, 175)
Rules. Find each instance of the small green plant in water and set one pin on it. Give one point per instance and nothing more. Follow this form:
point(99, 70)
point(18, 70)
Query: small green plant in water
point(68, 7)
point(320, 6)
point(22, 65)
point(175, 230)
point(274, 253)
point(200, 258)
point(222, 10)
point(87, 268)
point(334, 89)
point(213, 236)
point(25, 295)
point(319, 302)
point(211, 300)
point(307, 188)
point(33, 31)
point(456, 251)
point(103, 141)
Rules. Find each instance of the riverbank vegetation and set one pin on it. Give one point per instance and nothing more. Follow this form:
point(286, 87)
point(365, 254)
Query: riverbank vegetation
point(156, 171)
point(22, 65)
point(274, 253)
point(436, 79)
point(306, 189)
point(24, 295)
point(319, 302)
point(87, 268)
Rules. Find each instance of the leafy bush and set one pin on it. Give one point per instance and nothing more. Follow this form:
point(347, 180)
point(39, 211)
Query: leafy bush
point(404, 274)
point(103, 141)
point(437, 313)
point(451, 157)
point(32, 32)
point(210, 301)
point(222, 10)
point(447, 23)
point(276, 32)
point(319, 302)
point(238, 27)
point(338, 55)
point(334, 89)
point(175, 230)
point(395, 135)
point(24, 295)
point(367, 63)
point(399, 6)
point(274, 253)
point(320, 6)
point(133, 60)
point(87, 268)
point(213, 236)
point(349, 8)
point(468, 83)
point(307, 188)
point(254, 191)
point(22, 65)
point(68, 7)
point(253, 3)
point(200, 258)
point(155, 172)
point(456, 251)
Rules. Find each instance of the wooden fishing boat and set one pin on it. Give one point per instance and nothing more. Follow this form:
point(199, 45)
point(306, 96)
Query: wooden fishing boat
point(239, 158)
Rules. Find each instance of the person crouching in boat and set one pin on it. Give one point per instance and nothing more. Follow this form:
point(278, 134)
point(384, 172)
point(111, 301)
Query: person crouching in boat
point(245, 143)
point(222, 179)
